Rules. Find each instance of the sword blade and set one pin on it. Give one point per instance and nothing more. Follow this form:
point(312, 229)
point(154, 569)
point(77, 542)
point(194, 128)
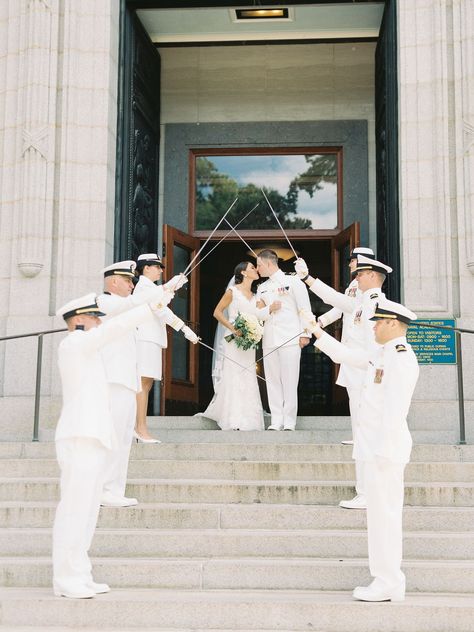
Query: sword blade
point(221, 240)
point(241, 238)
point(244, 368)
point(205, 243)
point(279, 224)
point(301, 334)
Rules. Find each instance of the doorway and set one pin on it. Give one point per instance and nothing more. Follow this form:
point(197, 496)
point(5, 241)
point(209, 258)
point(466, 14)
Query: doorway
point(316, 394)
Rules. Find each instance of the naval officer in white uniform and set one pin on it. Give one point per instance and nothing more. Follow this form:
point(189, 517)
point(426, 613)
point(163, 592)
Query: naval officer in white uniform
point(152, 339)
point(384, 441)
point(120, 361)
point(282, 367)
point(336, 313)
point(370, 275)
point(85, 437)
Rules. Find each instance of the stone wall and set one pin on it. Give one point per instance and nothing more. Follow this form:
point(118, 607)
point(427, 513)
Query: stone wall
point(436, 48)
point(271, 83)
point(58, 94)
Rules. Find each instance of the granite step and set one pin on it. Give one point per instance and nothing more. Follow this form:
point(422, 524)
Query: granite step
point(237, 610)
point(230, 543)
point(455, 494)
point(448, 576)
point(15, 514)
point(246, 470)
point(276, 450)
point(187, 435)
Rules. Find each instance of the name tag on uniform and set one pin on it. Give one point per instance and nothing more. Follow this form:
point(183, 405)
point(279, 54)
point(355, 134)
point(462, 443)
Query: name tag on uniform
point(378, 376)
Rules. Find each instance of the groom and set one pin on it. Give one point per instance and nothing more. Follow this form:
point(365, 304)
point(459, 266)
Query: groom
point(282, 364)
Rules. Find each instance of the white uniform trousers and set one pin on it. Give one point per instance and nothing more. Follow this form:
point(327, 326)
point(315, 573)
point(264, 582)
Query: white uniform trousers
point(282, 372)
point(82, 462)
point(385, 494)
point(354, 394)
point(123, 404)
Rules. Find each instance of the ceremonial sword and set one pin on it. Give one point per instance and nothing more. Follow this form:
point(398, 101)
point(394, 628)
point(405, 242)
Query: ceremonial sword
point(244, 368)
point(222, 239)
point(279, 224)
point(205, 243)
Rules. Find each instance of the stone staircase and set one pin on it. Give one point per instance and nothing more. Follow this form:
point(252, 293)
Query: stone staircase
point(240, 531)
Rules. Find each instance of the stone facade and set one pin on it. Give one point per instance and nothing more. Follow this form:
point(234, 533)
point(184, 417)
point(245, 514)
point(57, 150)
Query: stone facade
point(58, 102)
point(436, 87)
point(58, 112)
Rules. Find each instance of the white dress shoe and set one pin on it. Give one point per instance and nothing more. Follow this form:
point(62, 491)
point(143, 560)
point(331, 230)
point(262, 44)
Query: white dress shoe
point(98, 588)
point(289, 428)
point(358, 502)
point(109, 500)
point(81, 592)
point(347, 442)
point(273, 428)
point(141, 439)
point(371, 593)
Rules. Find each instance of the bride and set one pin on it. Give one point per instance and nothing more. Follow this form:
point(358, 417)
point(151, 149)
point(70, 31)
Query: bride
point(236, 404)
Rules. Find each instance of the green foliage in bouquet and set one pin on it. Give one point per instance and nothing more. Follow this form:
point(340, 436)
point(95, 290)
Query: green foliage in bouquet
point(251, 331)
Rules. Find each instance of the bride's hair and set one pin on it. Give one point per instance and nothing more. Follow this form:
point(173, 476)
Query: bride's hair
point(238, 271)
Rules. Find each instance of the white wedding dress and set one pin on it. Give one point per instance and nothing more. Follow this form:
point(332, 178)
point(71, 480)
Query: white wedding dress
point(236, 404)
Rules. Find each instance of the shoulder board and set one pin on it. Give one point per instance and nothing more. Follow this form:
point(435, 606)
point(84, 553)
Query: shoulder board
point(108, 293)
point(293, 274)
point(374, 295)
point(400, 348)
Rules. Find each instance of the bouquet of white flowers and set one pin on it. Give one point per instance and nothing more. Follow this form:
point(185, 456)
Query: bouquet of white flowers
point(251, 331)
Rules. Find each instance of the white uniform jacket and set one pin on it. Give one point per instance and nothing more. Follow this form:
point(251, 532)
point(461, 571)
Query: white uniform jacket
point(86, 410)
point(391, 372)
point(359, 332)
point(352, 290)
point(120, 355)
point(154, 330)
point(285, 322)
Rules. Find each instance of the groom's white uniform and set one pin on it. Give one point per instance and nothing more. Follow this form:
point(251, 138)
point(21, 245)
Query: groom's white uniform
point(282, 367)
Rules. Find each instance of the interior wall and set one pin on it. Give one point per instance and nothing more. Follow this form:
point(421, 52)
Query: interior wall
point(298, 82)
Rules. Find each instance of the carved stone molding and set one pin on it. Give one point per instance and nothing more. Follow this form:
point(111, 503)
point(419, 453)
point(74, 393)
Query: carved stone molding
point(39, 60)
point(463, 51)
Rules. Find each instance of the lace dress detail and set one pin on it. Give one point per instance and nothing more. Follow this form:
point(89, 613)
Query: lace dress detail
point(236, 404)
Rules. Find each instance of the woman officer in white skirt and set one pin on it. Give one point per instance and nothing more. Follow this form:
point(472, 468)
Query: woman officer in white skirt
point(151, 340)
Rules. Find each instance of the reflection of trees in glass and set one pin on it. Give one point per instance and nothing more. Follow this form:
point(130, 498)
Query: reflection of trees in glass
point(321, 169)
point(215, 192)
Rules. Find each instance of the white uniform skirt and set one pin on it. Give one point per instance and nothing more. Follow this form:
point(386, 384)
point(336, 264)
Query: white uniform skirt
point(149, 359)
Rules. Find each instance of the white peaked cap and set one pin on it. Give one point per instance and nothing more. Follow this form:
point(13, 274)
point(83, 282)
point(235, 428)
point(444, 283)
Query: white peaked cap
point(391, 310)
point(362, 250)
point(366, 263)
point(84, 305)
point(122, 268)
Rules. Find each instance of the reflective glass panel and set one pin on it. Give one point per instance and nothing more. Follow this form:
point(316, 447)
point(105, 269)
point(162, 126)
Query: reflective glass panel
point(302, 188)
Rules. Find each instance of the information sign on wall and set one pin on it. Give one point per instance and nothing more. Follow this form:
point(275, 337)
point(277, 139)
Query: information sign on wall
point(433, 345)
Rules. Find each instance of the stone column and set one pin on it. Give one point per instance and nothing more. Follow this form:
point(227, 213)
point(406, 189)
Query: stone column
point(463, 54)
point(426, 203)
point(436, 174)
point(37, 109)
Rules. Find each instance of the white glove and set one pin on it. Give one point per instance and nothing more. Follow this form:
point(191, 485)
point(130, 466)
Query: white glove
point(176, 282)
point(165, 298)
point(189, 334)
point(301, 268)
point(309, 321)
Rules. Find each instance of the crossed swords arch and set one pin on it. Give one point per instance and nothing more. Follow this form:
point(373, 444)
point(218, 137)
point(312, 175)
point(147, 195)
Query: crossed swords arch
point(233, 229)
